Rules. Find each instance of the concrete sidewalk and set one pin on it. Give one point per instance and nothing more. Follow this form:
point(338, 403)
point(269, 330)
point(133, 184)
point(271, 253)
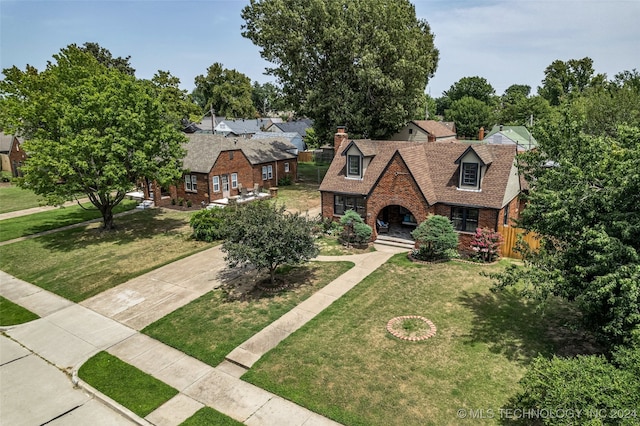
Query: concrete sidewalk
point(68, 334)
point(39, 209)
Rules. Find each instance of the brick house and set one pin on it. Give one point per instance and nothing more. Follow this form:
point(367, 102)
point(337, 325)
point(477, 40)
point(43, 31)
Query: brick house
point(12, 154)
point(401, 183)
point(217, 167)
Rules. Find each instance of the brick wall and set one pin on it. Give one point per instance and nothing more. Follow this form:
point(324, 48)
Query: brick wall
point(396, 187)
point(16, 158)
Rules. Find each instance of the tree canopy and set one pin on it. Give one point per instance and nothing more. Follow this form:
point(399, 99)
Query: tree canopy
point(562, 79)
point(89, 129)
point(263, 235)
point(227, 91)
point(359, 63)
point(470, 114)
point(474, 87)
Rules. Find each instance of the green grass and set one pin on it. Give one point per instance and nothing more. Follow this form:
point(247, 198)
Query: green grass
point(303, 196)
point(207, 416)
point(312, 173)
point(125, 384)
point(13, 199)
point(213, 325)
point(344, 364)
point(52, 219)
point(81, 262)
point(12, 314)
point(330, 246)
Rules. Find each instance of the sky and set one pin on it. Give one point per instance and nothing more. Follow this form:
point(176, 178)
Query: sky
point(505, 41)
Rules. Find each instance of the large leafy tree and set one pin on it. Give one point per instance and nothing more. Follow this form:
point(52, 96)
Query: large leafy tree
point(265, 236)
point(475, 87)
point(227, 91)
point(359, 63)
point(469, 114)
point(105, 58)
point(562, 79)
point(585, 192)
point(177, 103)
point(519, 108)
point(90, 130)
point(267, 99)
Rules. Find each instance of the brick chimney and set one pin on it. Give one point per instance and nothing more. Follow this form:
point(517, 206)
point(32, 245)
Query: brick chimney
point(481, 134)
point(338, 138)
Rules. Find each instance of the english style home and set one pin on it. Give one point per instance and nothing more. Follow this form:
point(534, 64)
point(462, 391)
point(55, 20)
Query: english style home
point(401, 183)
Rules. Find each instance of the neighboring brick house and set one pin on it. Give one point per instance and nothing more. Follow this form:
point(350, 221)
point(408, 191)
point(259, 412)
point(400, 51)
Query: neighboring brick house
point(401, 183)
point(426, 131)
point(217, 167)
point(11, 153)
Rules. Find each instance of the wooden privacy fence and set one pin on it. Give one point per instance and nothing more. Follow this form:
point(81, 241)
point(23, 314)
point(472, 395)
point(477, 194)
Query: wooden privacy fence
point(305, 156)
point(510, 237)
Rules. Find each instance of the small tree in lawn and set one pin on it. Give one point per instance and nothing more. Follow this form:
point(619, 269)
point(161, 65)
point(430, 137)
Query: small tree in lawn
point(436, 238)
point(486, 244)
point(263, 235)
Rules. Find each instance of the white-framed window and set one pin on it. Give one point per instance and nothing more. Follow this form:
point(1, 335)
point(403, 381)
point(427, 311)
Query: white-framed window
point(470, 174)
point(286, 167)
point(191, 183)
point(267, 172)
point(234, 180)
point(353, 166)
point(216, 184)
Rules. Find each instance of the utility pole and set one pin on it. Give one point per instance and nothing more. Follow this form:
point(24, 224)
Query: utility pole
point(213, 118)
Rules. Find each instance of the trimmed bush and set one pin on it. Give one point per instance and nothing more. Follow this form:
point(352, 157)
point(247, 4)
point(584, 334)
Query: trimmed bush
point(209, 225)
point(436, 238)
point(354, 230)
point(606, 393)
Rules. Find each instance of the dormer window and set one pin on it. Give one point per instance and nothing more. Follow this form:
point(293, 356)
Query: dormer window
point(470, 174)
point(354, 166)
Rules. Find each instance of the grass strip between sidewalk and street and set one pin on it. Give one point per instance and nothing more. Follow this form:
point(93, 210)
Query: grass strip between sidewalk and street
point(62, 216)
point(125, 384)
point(12, 314)
point(81, 262)
point(207, 416)
point(343, 364)
point(216, 323)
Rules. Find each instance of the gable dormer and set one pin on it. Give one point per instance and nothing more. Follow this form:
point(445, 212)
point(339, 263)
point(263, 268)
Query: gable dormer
point(356, 161)
point(472, 166)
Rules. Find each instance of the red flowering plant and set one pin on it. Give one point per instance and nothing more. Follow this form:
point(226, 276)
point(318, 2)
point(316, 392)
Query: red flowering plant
point(486, 244)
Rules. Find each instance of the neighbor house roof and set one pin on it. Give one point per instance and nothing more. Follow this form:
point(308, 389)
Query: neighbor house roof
point(516, 134)
point(299, 126)
point(203, 150)
point(5, 142)
point(434, 168)
point(435, 128)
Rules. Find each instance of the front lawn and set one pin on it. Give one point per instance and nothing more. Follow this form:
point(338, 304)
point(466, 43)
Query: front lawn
point(125, 384)
point(12, 314)
point(216, 323)
point(13, 198)
point(331, 246)
point(81, 262)
point(52, 219)
point(345, 365)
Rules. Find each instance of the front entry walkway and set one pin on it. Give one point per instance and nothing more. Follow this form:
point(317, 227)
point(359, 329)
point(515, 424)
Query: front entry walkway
point(68, 334)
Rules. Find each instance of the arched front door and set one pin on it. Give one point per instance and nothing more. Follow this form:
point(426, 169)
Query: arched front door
point(396, 221)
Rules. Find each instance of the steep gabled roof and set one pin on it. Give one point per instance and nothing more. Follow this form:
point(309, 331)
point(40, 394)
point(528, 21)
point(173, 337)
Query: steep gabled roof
point(203, 150)
point(434, 168)
point(5, 142)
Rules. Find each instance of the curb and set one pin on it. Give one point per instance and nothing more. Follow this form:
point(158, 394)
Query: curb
point(104, 399)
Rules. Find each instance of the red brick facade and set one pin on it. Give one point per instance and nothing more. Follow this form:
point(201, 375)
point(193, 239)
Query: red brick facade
point(16, 157)
point(228, 163)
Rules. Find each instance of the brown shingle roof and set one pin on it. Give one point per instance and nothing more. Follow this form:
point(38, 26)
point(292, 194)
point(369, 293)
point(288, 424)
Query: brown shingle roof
point(433, 168)
point(203, 150)
point(435, 128)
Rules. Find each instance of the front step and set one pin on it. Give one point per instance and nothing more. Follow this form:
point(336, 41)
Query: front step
point(395, 242)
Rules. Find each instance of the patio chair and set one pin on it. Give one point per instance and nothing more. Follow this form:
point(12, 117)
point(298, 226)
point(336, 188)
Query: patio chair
point(382, 227)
